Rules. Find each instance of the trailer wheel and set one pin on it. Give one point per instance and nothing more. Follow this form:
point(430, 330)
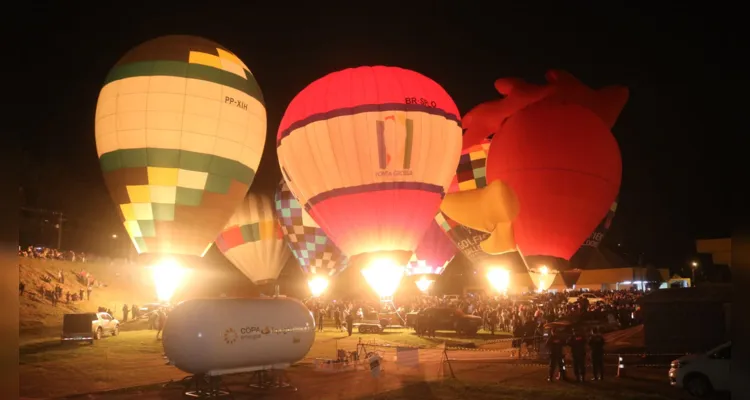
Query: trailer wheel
point(361, 329)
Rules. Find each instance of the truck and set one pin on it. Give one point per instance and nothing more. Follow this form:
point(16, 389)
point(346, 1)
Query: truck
point(448, 319)
point(87, 327)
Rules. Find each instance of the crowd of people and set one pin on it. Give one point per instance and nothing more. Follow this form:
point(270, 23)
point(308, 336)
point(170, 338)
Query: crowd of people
point(51, 254)
point(520, 315)
point(50, 287)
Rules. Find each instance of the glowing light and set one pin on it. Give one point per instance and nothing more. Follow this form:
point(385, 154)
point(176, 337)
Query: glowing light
point(423, 284)
point(499, 279)
point(168, 275)
point(318, 285)
point(383, 276)
point(114, 236)
point(542, 278)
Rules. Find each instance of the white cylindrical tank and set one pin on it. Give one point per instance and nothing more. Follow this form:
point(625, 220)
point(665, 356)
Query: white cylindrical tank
point(222, 336)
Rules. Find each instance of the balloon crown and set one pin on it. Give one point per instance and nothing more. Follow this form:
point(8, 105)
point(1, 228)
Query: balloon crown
point(487, 118)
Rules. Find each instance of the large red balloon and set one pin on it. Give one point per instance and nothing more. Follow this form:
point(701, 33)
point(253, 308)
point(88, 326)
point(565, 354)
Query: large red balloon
point(553, 147)
point(369, 153)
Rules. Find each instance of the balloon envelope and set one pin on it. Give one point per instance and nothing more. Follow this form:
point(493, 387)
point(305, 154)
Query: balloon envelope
point(316, 253)
point(434, 253)
point(563, 164)
point(180, 127)
point(555, 159)
point(595, 239)
point(470, 174)
point(253, 242)
point(369, 152)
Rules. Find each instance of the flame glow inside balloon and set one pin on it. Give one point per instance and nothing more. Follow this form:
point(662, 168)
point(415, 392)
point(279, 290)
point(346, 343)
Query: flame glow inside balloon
point(434, 253)
point(470, 174)
point(253, 242)
point(316, 253)
point(180, 128)
point(369, 152)
point(564, 166)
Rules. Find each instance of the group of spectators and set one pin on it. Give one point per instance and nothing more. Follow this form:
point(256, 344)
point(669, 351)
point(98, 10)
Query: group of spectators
point(522, 315)
point(51, 254)
point(48, 287)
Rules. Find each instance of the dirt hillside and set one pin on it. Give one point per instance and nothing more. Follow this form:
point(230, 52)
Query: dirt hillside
point(118, 283)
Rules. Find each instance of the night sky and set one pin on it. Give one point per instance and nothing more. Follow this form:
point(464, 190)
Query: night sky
point(674, 189)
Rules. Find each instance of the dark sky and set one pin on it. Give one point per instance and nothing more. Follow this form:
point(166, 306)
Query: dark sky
point(674, 185)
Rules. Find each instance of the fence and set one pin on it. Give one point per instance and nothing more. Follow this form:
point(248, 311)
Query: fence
point(440, 361)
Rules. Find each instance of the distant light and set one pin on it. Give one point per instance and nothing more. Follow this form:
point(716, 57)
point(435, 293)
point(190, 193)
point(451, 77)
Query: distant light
point(114, 236)
point(695, 264)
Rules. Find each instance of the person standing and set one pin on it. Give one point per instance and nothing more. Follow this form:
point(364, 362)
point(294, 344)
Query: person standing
point(162, 321)
point(577, 344)
point(596, 344)
point(321, 312)
point(152, 319)
point(337, 318)
point(349, 322)
point(125, 310)
point(555, 346)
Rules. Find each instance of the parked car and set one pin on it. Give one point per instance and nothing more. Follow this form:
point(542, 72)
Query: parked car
point(703, 374)
point(448, 319)
point(592, 298)
point(88, 327)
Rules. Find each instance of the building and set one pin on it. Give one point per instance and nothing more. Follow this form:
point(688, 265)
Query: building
point(600, 269)
point(719, 249)
point(687, 320)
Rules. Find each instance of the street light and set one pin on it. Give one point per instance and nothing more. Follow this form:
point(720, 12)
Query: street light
point(694, 264)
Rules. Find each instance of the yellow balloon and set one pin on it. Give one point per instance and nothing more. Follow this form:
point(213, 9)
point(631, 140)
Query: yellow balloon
point(180, 129)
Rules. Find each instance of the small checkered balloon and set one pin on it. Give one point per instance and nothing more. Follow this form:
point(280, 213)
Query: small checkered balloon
point(316, 253)
point(470, 174)
point(252, 240)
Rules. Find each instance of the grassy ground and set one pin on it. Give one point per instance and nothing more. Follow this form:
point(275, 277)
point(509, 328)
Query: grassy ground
point(132, 358)
point(407, 337)
point(135, 358)
point(474, 382)
point(455, 390)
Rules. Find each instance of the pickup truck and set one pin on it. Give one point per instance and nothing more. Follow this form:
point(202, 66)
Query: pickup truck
point(88, 327)
point(448, 319)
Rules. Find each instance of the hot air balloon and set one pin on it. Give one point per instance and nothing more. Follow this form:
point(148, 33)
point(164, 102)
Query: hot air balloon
point(318, 257)
point(434, 253)
point(252, 240)
point(180, 128)
point(595, 239)
point(470, 175)
point(553, 167)
point(369, 153)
